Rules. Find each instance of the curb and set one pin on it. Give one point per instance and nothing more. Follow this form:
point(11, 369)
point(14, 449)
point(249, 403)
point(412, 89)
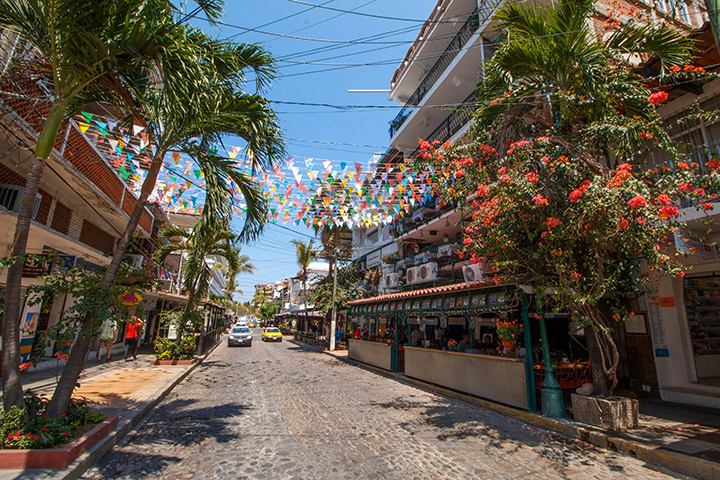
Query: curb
point(125, 425)
point(679, 462)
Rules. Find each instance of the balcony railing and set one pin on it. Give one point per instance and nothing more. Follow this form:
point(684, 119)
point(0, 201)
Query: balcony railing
point(477, 18)
point(454, 122)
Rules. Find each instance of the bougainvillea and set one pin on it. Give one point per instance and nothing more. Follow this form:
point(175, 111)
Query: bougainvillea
point(565, 190)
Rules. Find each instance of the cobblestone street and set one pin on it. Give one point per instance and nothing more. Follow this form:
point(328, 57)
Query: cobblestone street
point(281, 411)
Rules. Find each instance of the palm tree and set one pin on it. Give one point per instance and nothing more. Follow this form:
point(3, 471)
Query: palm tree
point(201, 243)
point(81, 45)
point(305, 254)
point(556, 78)
point(200, 100)
point(554, 53)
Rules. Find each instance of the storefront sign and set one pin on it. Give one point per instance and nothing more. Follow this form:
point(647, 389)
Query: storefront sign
point(33, 268)
point(413, 321)
point(430, 321)
point(667, 302)
point(456, 320)
point(131, 299)
point(28, 325)
point(657, 329)
point(692, 247)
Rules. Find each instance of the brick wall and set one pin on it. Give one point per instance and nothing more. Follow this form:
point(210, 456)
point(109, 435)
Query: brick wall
point(61, 218)
point(83, 157)
point(97, 238)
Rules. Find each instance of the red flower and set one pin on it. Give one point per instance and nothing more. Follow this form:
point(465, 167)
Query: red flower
point(540, 200)
point(576, 275)
point(637, 202)
point(482, 191)
point(658, 97)
point(707, 206)
point(683, 165)
point(66, 434)
point(623, 223)
point(505, 178)
point(532, 177)
point(552, 222)
point(684, 187)
point(663, 199)
point(667, 212)
point(575, 195)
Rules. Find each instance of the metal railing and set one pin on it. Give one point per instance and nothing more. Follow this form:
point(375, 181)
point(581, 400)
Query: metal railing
point(454, 122)
point(477, 18)
point(456, 44)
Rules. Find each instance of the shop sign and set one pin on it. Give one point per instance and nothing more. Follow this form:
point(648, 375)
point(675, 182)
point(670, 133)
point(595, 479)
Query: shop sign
point(413, 321)
point(131, 299)
point(692, 247)
point(456, 320)
point(33, 268)
point(430, 321)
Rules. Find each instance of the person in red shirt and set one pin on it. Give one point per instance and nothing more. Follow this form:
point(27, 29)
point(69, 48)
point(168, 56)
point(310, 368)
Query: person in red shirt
point(131, 336)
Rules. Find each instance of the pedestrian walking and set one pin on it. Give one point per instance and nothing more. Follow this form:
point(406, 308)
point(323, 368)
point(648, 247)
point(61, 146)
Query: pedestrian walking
point(108, 334)
point(131, 336)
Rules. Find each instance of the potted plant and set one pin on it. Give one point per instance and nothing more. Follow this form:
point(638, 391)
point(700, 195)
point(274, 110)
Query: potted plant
point(415, 246)
point(390, 258)
point(508, 331)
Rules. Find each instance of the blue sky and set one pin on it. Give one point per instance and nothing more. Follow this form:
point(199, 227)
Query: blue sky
point(341, 135)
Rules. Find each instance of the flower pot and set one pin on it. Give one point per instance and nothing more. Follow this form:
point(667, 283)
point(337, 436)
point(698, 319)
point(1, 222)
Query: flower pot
point(507, 344)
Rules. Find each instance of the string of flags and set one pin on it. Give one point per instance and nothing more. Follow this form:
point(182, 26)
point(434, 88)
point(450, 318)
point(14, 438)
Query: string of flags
point(298, 189)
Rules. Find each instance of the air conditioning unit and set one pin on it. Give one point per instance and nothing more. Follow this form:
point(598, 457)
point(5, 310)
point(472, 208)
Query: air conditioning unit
point(473, 272)
point(413, 275)
point(448, 250)
point(391, 280)
point(428, 272)
point(136, 262)
point(423, 258)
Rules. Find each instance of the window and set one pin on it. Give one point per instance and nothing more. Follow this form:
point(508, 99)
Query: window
point(11, 198)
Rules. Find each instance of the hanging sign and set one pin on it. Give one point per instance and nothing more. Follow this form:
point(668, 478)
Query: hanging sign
point(131, 299)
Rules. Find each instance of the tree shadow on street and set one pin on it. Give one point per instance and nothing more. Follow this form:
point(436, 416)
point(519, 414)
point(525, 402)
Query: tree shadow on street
point(454, 420)
point(131, 465)
point(175, 422)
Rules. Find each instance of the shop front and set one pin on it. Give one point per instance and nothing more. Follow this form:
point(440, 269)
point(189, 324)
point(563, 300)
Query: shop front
point(445, 336)
point(684, 325)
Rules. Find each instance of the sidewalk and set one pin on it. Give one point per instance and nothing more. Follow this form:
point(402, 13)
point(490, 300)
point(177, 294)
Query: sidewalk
point(683, 439)
point(129, 390)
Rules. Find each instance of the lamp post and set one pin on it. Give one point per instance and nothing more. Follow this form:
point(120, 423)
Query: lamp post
point(553, 405)
point(333, 320)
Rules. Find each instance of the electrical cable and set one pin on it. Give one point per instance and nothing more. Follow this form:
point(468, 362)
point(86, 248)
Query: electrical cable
point(278, 20)
point(383, 17)
point(307, 27)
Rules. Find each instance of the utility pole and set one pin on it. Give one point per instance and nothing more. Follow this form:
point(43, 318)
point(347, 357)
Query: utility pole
point(333, 321)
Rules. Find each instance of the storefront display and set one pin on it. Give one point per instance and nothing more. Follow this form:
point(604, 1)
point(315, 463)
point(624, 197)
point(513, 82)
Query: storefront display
point(702, 301)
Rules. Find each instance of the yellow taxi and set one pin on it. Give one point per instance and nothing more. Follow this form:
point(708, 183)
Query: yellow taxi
point(271, 334)
point(251, 324)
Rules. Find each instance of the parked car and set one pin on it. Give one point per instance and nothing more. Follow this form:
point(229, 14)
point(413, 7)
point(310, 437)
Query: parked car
point(251, 324)
point(240, 335)
point(271, 334)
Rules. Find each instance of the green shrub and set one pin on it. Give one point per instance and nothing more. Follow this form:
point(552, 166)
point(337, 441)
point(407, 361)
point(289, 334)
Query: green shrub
point(30, 427)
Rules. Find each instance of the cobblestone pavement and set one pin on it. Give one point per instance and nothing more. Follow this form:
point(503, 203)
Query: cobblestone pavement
point(279, 411)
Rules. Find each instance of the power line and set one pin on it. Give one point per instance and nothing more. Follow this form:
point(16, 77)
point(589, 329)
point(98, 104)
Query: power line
point(382, 17)
point(321, 21)
point(280, 19)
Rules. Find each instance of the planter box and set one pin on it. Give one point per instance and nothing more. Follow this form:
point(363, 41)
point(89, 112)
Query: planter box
point(613, 413)
point(173, 362)
point(57, 457)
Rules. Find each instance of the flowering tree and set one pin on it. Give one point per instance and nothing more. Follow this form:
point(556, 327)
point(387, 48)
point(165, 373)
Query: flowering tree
point(560, 171)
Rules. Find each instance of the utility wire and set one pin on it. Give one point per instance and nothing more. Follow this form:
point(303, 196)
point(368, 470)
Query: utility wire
point(383, 17)
point(280, 19)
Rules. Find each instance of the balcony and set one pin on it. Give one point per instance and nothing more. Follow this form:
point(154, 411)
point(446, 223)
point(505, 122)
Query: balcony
point(456, 45)
point(453, 123)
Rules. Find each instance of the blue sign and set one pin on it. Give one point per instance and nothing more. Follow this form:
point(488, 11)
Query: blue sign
point(662, 352)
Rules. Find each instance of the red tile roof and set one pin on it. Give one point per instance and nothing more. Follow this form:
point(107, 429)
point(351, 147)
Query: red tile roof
point(426, 291)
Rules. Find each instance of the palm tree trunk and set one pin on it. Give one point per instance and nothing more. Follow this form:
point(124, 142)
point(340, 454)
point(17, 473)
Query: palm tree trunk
point(12, 385)
point(61, 397)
